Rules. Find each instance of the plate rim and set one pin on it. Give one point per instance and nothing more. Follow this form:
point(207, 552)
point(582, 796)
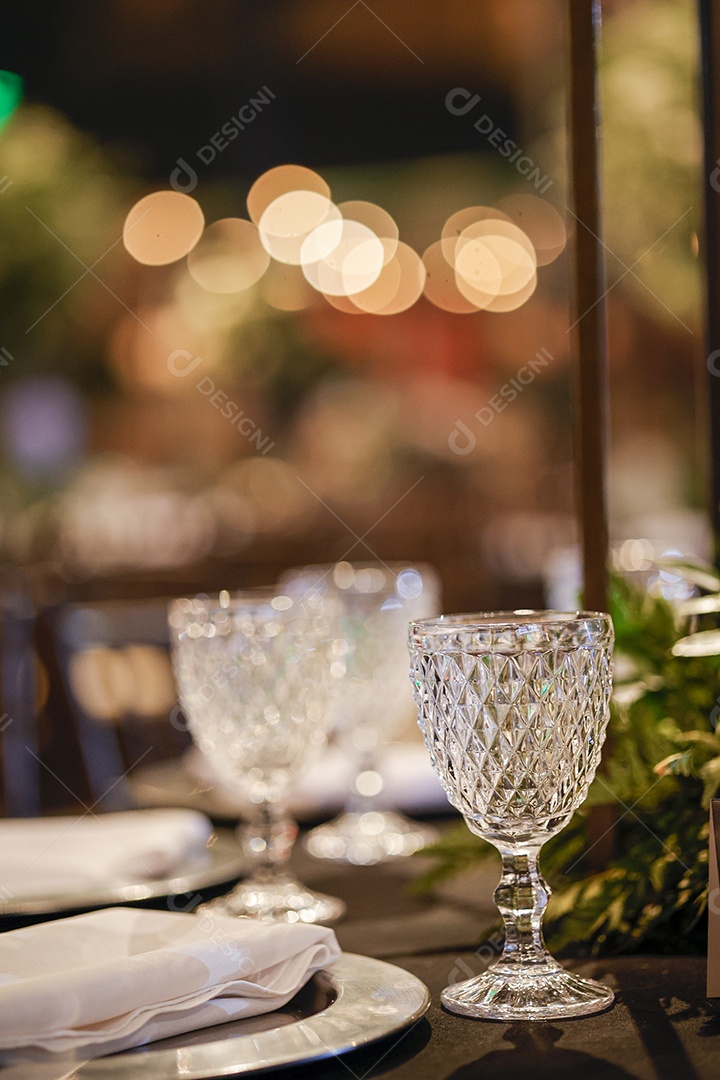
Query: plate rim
point(350, 977)
point(226, 862)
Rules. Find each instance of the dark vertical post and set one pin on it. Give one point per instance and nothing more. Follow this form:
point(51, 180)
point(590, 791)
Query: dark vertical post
point(589, 315)
point(710, 54)
point(590, 329)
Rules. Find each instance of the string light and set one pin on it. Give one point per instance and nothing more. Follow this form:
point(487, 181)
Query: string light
point(279, 181)
point(163, 227)
point(352, 265)
point(540, 221)
point(299, 244)
point(291, 218)
point(440, 286)
point(458, 222)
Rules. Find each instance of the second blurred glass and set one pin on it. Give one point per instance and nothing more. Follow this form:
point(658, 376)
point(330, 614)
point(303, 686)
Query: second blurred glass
point(376, 602)
point(254, 676)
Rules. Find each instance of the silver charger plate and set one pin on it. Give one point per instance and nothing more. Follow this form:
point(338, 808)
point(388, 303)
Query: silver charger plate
point(356, 1001)
point(221, 860)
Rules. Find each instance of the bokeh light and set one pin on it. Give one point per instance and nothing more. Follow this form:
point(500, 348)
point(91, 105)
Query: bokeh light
point(495, 265)
point(301, 244)
point(11, 92)
point(478, 274)
point(207, 313)
point(344, 304)
point(384, 290)
point(43, 425)
point(163, 227)
point(322, 241)
point(376, 219)
point(229, 257)
point(279, 181)
point(398, 286)
point(496, 227)
point(353, 264)
point(510, 247)
point(440, 286)
point(412, 281)
point(290, 218)
point(502, 303)
point(139, 358)
point(112, 683)
point(540, 221)
point(463, 219)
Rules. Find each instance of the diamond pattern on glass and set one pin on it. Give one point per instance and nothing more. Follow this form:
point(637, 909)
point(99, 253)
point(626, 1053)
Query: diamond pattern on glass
point(515, 739)
point(254, 685)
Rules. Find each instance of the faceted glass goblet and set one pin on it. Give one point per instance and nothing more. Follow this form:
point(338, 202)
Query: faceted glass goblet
point(514, 707)
point(254, 677)
point(372, 701)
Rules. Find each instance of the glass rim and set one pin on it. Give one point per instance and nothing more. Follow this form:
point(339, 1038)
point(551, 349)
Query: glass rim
point(383, 579)
point(393, 566)
point(475, 622)
point(364, 564)
point(229, 602)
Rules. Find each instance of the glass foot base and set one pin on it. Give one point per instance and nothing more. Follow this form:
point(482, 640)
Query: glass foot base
point(536, 992)
point(281, 900)
point(367, 838)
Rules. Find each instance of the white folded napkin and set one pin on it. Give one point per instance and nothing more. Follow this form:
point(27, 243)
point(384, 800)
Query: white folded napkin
point(124, 977)
point(54, 856)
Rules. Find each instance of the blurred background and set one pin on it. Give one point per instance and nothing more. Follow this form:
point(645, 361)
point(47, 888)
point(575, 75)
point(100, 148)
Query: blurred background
point(440, 432)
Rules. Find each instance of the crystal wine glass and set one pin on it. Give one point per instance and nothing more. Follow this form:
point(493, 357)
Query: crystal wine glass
point(376, 602)
point(513, 707)
point(254, 677)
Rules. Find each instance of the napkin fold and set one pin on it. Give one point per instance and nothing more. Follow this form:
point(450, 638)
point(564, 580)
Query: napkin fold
point(123, 977)
point(53, 856)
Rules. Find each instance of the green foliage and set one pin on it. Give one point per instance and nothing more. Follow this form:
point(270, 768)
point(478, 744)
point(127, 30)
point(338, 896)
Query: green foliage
point(661, 768)
point(61, 211)
point(650, 68)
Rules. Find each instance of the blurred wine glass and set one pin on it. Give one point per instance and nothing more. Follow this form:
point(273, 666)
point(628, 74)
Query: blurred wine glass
point(376, 601)
point(253, 672)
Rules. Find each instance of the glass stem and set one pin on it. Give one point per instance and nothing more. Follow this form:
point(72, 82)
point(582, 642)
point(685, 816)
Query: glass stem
point(522, 897)
point(359, 801)
point(267, 841)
